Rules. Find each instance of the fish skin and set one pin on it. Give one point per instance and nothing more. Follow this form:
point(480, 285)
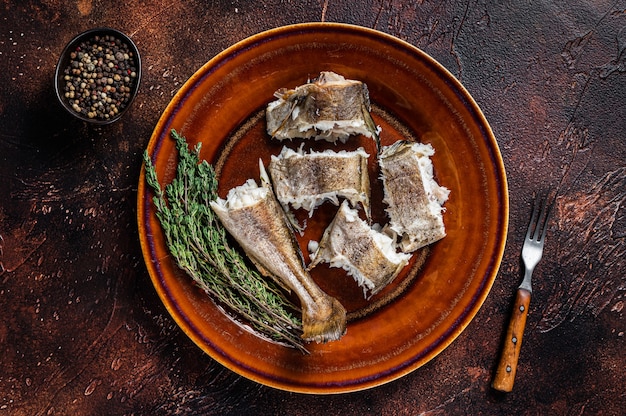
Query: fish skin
point(409, 206)
point(348, 242)
point(264, 233)
point(330, 108)
point(306, 180)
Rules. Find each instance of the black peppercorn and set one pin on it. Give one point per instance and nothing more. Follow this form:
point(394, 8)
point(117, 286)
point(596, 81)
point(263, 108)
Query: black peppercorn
point(100, 77)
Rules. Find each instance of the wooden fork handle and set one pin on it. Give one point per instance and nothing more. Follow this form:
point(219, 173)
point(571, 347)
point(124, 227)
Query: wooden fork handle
point(505, 373)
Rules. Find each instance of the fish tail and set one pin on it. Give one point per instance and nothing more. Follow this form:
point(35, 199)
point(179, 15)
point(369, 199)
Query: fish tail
point(324, 324)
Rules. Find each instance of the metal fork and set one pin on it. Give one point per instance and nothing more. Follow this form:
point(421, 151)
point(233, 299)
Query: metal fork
point(531, 254)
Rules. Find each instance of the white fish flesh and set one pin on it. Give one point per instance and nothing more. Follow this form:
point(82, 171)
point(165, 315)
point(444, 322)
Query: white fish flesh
point(369, 256)
point(306, 180)
point(253, 216)
point(413, 197)
point(329, 108)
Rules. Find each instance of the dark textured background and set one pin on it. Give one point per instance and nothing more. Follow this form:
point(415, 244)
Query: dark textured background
point(82, 330)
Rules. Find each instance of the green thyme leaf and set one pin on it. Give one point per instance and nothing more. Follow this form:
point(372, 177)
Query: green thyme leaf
point(199, 244)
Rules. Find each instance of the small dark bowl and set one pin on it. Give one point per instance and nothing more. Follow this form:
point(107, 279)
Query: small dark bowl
point(65, 61)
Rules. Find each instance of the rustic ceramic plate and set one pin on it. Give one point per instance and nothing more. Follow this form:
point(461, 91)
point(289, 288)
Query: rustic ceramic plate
point(435, 298)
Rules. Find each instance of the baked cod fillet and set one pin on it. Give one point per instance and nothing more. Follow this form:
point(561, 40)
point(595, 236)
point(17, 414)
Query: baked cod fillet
point(369, 256)
point(413, 197)
point(306, 180)
point(253, 216)
point(329, 108)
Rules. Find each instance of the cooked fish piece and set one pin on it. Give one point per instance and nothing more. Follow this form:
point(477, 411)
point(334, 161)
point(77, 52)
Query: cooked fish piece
point(369, 256)
point(413, 197)
point(306, 180)
point(253, 216)
point(330, 108)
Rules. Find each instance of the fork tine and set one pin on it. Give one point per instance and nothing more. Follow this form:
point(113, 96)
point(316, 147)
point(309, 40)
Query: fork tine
point(532, 226)
point(544, 216)
point(539, 219)
point(541, 203)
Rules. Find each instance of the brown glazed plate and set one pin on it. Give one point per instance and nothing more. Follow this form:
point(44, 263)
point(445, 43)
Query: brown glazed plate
point(415, 98)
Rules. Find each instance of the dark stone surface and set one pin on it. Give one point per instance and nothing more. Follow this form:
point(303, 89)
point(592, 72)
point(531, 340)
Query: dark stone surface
point(83, 331)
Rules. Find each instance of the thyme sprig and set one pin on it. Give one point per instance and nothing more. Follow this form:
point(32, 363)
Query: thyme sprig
point(199, 244)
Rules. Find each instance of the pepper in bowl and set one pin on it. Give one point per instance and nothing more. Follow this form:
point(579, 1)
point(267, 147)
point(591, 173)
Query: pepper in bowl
point(98, 74)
